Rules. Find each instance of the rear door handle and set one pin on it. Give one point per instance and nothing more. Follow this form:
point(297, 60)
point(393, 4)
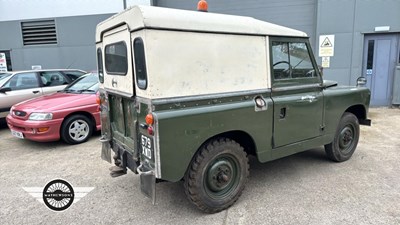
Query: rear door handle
point(35, 92)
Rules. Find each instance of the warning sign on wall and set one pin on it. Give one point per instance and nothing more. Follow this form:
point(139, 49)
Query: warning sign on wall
point(3, 62)
point(326, 45)
point(325, 62)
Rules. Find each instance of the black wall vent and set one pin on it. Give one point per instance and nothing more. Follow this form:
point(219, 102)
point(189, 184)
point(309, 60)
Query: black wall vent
point(39, 32)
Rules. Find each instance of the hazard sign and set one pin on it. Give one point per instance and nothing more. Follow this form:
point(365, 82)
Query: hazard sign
point(3, 62)
point(326, 45)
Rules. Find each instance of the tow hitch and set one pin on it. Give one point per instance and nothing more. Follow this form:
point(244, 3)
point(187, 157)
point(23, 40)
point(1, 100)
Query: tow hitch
point(116, 171)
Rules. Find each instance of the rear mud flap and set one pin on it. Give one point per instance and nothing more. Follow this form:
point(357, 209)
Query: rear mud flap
point(105, 149)
point(147, 182)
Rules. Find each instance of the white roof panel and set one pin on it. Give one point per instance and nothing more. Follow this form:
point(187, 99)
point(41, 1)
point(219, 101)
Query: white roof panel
point(138, 17)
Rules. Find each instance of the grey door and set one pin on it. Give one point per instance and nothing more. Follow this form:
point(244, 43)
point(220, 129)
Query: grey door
point(378, 66)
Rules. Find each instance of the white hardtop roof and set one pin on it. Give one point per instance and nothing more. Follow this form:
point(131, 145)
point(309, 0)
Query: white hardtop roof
point(137, 17)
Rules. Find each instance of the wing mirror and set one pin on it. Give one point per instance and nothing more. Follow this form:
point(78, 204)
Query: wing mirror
point(361, 81)
point(4, 90)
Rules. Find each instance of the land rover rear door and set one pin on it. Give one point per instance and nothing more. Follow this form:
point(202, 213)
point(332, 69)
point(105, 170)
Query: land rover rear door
point(296, 92)
point(119, 83)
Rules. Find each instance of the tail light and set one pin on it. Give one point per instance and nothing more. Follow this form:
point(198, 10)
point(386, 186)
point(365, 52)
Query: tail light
point(150, 121)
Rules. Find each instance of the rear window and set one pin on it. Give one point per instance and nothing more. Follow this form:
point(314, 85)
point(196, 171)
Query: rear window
point(140, 63)
point(100, 65)
point(116, 60)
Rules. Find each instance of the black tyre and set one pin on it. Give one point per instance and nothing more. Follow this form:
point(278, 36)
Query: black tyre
point(346, 139)
point(217, 175)
point(76, 129)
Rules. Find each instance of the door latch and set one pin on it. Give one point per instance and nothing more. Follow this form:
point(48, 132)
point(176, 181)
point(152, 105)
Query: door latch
point(282, 113)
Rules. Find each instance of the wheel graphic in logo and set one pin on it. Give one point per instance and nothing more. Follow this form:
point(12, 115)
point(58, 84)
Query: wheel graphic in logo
point(58, 195)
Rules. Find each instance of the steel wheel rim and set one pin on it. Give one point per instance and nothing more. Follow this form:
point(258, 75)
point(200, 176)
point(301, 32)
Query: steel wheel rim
point(222, 176)
point(346, 138)
point(78, 130)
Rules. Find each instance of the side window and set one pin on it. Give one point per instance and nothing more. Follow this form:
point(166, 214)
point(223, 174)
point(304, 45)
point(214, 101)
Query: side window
point(73, 75)
point(281, 60)
point(301, 61)
point(140, 63)
point(23, 81)
point(52, 78)
point(291, 61)
point(100, 65)
point(116, 58)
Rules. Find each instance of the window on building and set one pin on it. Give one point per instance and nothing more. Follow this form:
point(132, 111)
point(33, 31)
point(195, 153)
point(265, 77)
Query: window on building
point(116, 58)
point(39, 32)
point(370, 56)
point(398, 60)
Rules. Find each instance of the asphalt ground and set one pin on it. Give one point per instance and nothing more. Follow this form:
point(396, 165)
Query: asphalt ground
point(305, 188)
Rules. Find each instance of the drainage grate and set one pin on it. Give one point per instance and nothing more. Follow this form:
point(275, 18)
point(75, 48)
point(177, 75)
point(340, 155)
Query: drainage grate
point(39, 32)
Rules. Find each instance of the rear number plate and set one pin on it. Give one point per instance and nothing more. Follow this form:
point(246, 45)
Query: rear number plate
point(17, 134)
point(147, 146)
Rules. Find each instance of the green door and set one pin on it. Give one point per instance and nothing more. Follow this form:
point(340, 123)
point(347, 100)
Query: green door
point(296, 92)
point(297, 115)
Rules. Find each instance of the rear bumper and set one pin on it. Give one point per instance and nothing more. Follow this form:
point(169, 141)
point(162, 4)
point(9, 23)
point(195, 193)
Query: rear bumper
point(29, 128)
point(128, 160)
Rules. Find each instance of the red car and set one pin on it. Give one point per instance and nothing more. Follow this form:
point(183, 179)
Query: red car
point(71, 114)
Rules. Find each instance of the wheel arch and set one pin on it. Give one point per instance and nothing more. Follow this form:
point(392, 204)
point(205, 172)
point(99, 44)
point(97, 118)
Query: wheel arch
point(87, 114)
point(241, 137)
point(358, 110)
point(361, 113)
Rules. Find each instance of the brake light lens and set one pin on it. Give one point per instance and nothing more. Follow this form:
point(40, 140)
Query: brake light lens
point(150, 121)
point(150, 130)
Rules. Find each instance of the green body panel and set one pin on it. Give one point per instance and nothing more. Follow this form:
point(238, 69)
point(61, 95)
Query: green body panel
point(297, 114)
point(123, 121)
point(183, 131)
point(182, 128)
point(340, 99)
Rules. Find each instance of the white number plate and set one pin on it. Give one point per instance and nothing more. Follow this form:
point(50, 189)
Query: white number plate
point(17, 134)
point(146, 146)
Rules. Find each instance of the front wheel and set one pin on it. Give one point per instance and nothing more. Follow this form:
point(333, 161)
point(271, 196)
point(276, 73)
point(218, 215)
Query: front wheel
point(76, 129)
point(217, 175)
point(346, 139)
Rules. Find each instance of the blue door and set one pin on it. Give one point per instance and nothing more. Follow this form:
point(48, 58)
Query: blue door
point(379, 64)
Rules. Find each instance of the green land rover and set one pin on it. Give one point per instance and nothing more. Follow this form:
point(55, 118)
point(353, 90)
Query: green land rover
point(187, 96)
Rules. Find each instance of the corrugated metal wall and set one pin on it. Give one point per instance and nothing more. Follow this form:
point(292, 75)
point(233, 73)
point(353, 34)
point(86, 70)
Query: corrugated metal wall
point(75, 46)
point(297, 14)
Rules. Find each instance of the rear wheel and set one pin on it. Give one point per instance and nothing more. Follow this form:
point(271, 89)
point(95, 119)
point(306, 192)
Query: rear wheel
point(346, 139)
point(217, 175)
point(76, 129)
